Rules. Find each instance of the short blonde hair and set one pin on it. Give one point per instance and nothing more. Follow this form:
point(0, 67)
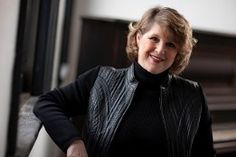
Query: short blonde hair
point(176, 23)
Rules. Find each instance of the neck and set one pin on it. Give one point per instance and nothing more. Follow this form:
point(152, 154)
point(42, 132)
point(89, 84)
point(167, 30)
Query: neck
point(147, 78)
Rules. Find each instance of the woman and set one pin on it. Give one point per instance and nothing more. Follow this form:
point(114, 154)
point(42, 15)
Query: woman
point(141, 110)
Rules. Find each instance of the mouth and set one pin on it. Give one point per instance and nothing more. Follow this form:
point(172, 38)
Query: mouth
point(157, 59)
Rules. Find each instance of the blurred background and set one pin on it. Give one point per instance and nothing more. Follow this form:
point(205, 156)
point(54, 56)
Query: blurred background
point(46, 44)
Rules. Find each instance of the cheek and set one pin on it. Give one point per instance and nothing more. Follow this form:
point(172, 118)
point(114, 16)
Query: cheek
point(146, 48)
point(142, 49)
point(172, 56)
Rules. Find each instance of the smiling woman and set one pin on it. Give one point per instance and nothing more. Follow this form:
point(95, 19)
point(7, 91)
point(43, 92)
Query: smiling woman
point(169, 25)
point(145, 107)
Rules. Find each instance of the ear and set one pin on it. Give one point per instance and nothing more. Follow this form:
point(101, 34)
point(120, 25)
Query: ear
point(138, 37)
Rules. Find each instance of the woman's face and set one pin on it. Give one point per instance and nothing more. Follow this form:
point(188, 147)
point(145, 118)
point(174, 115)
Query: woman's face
point(156, 49)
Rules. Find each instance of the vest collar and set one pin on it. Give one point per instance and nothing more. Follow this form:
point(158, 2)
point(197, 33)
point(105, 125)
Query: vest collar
point(131, 77)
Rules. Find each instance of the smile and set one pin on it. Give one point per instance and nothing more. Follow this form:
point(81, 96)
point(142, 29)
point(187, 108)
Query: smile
point(157, 59)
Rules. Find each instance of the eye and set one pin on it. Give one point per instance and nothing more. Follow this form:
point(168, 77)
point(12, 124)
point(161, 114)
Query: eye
point(154, 39)
point(171, 45)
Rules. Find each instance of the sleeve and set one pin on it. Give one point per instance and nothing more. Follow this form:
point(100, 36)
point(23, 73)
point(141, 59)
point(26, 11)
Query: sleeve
point(203, 141)
point(56, 108)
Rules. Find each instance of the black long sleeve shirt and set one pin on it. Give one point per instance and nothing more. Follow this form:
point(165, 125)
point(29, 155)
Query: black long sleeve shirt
point(141, 131)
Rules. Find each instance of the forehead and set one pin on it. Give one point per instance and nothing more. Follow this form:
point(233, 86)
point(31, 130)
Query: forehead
point(160, 30)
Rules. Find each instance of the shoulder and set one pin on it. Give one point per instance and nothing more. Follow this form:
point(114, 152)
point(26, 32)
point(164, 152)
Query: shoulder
point(88, 77)
point(90, 74)
point(184, 82)
point(189, 90)
point(102, 73)
point(110, 71)
point(186, 86)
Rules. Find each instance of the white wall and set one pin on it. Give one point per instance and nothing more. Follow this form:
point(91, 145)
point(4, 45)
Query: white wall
point(8, 30)
point(210, 15)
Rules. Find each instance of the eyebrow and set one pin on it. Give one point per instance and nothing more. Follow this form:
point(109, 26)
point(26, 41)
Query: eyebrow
point(170, 38)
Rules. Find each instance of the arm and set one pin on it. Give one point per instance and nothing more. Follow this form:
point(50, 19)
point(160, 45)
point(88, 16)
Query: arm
point(203, 142)
point(56, 107)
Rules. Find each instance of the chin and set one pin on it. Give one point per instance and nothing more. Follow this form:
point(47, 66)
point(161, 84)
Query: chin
point(154, 71)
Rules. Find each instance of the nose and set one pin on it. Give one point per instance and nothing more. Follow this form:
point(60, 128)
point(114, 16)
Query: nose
point(160, 48)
